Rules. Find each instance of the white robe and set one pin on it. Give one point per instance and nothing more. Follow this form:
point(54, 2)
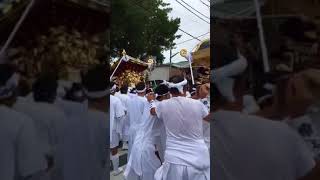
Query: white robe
point(77, 147)
point(136, 107)
point(160, 135)
point(143, 161)
point(251, 147)
point(98, 149)
point(206, 125)
point(124, 124)
point(20, 155)
point(49, 122)
point(186, 155)
point(117, 111)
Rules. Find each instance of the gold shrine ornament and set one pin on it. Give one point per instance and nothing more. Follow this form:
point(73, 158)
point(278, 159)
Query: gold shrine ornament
point(184, 52)
point(150, 61)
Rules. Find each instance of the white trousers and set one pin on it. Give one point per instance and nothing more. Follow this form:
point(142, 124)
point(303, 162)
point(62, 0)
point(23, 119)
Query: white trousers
point(149, 164)
point(125, 129)
point(170, 171)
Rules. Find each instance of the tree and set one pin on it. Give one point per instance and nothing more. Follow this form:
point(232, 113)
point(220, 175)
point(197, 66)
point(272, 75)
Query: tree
point(142, 27)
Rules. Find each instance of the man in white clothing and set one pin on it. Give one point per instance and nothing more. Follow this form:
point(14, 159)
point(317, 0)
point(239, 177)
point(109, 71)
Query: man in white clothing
point(186, 155)
point(136, 107)
point(97, 93)
point(123, 96)
point(48, 118)
point(20, 155)
point(143, 161)
point(117, 112)
point(162, 94)
point(269, 149)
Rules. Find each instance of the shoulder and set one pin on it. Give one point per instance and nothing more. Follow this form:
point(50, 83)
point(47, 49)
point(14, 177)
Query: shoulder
point(13, 119)
point(114, 98)
point(193, 101)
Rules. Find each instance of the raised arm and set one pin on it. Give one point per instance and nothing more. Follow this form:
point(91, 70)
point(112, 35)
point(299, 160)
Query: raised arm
point(151, 98)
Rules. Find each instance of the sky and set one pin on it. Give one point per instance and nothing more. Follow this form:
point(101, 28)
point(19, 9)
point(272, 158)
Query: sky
point(189, 23)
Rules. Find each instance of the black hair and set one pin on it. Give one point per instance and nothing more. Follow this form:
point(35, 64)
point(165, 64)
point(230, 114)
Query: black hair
point(176, 79)
point(45, 88)
point(124, 89)
point(96, 79)
point(141, 86)
point(149, 90)
point(70, 95)
point(133, 90)
point(161, 89)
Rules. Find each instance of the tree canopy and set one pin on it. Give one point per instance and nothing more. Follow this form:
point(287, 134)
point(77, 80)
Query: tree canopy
point(142, 28)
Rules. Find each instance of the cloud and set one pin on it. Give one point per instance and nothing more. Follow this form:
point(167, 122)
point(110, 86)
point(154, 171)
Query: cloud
point(189, 23)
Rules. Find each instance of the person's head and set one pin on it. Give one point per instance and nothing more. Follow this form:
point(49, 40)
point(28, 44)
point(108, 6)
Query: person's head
point(124, 89)
point(149, 90)
point(141, 89)
point(75, 93)
point(8, 84)
point(113, 89)
point(178, 86)
point(133, 91)
point(45, 88)
point(162, 92)
point(96, 87)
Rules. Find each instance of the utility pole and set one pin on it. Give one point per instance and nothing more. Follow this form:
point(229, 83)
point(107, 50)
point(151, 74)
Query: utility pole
point(171, 56)
point(170, 60)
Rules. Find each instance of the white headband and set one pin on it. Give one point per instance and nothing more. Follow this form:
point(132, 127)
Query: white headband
point(7, 90)
point(97, 94)
point(165, 82)
point(141, 91)
point(157, 95)
point(179, 85)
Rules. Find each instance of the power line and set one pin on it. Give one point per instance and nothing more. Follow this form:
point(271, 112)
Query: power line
point(147, 10)
point(190, 35)
point(192, 38)
point(195, 9)
point(205, 4)
point(192, 12)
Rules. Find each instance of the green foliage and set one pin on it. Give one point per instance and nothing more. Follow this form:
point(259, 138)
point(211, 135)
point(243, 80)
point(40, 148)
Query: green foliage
point(142, 27)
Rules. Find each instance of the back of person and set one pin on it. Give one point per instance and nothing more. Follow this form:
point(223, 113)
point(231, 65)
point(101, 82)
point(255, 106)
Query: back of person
point(179, 114)
point(49, 121)
point(76, 143)
point(136, 107)
point(143, 161)
point(249, 147)
point(97, 122)
point(124, 99)
point(185, 143)
point(48, 118)
point(20, 155)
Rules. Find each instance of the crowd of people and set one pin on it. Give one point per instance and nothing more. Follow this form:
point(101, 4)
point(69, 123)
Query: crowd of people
point(52, 132)
point(266, 128)
point(165, 130)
